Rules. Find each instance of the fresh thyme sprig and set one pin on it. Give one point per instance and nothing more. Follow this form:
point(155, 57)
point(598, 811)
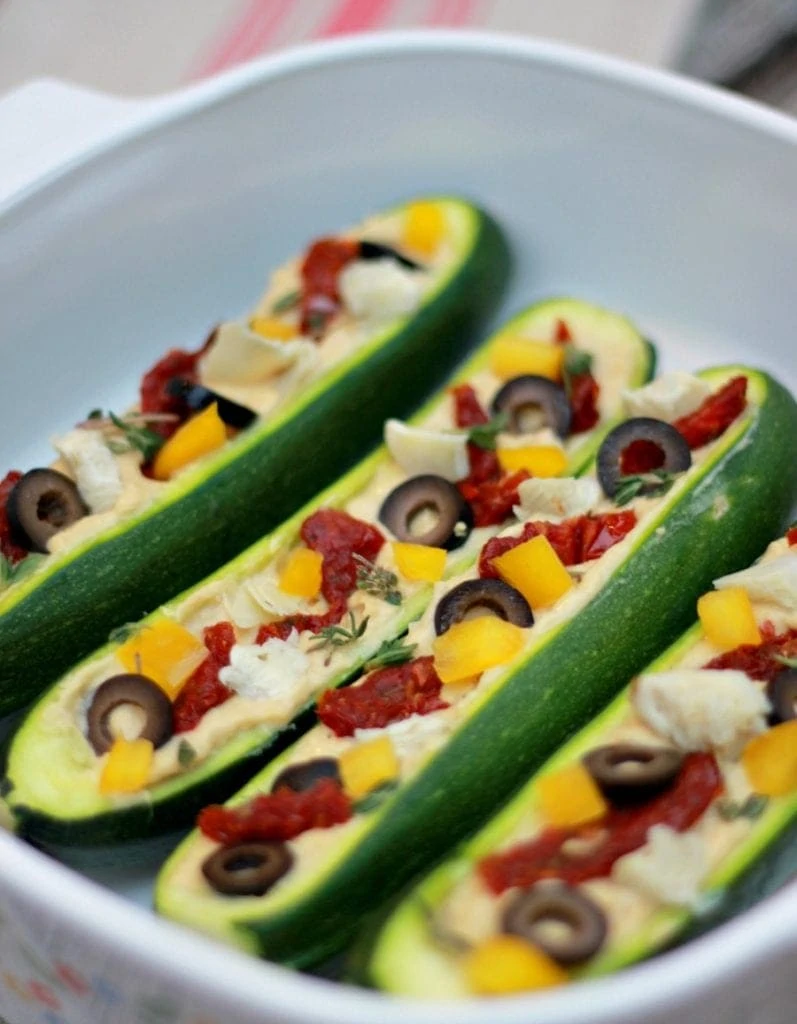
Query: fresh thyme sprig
point(652, 485)
point(373, 579)
point(286, 302)
point(751, 808)
point(788, 662)
point(339, 636)
point(391, 652)
point(576, 363)
point(484, 435)
point(136, 437)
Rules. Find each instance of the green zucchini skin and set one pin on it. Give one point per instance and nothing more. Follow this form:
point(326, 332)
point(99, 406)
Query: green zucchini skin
point(174, 804)
point(61, 615)
point(720, 524)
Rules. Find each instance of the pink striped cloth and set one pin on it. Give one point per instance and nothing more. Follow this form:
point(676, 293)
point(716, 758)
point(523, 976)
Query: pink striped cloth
point(265, 25)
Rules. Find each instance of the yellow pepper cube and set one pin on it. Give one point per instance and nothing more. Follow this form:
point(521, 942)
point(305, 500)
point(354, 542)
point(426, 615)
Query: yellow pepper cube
point(542, 460)
point(273, 328)
point(424, 228)
point(472, 646)
point(506, 963)
point(419, 562)
point(201, 435)
point(368, 765)
point(165, 652)
point(535, 569)
point(770, 760)
point(728, 618)
point(570, 797)
point(301, 574)
point(511, 356)
point(127, 767)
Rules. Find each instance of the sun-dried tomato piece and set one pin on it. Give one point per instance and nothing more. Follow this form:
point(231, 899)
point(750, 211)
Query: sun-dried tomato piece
point(641, 457)
point(791, 537)
point(284, 814)
point(388, 695)
point(715, 415)
point(492, 501)
point(8, 547)
point(759, 661)
point(623, 830)
point(203, 689)
point(320, 274)
point(468, 410)
point(583, 392)
point(155, 398)
point(562, 335)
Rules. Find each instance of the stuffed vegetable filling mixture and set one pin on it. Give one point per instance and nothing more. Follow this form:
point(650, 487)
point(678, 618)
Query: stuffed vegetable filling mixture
point(651, 809)
point(317, 312)
point(376, 734)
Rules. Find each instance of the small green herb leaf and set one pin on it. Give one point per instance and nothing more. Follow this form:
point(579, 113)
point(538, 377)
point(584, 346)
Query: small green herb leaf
point(651, 485)
point(286, 302)
point(391, 652)
point(138, 438)
point(95, 414)
point(751, 808)
point(186, 755)
point(13, 573)
point(788, 662)
point(484, 435)
point(123, 633)
point(576, 361)
point(376, 797)
point(373, 579)
point(339, 636)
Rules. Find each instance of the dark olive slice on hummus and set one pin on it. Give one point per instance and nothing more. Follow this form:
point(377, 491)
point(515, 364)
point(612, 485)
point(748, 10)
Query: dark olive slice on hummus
point(380, 251)
point(303, 776)
point(646, 441)
point(144, 700)
point(782, 693)
point(632, 771)
point(197, 397)
point(559, 919)
point(427, 510)
point(479, 596)
point(40, 504)
point(531, 403)
point(247, 869)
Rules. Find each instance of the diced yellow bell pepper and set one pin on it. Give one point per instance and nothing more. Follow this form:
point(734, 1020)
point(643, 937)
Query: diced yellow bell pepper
point(199, 436)
point(368, 765)
point(770, 760)
point(472, 646)
point(424, 228)
point(273, 328)
point(511, 356)
point(570, 797)
point(419, 562)
point(728, 618)
point(127, 767)
point(541, 460)
point(507, 963)
point(165, 652)
point(535, 569)
point(301, 574)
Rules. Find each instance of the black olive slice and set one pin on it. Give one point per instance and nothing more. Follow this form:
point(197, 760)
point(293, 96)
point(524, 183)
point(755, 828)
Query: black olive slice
point(197, 398)
point(247, 869)
point(675, 456)
point(558, 918)
point(531, 403)
point(300, 777)
point(141, 693)
point(41, 503)
point(782, 693)
point(627, 772)
point(490, 595)
point(452, 517)
point(379, 251)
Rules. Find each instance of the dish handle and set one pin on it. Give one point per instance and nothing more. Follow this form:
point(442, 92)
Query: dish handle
point(46, 123)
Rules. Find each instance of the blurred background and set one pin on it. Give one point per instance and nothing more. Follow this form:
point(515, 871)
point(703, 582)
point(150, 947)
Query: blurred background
point(141, 47)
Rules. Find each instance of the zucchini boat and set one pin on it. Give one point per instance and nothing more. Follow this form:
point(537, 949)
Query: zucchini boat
point(673, 806)
point(411, 758)
point(242, 654)
point(126, 518)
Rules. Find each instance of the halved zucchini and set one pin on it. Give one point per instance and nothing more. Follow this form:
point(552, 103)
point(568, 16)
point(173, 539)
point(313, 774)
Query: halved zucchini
point(733, 853)
point(223, 503)
point(53, 772)
point(464, 760)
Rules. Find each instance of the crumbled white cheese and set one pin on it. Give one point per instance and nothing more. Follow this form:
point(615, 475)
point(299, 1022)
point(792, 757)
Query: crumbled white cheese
point(418, 450)
point(93, 466)
point(774, 580)
point(418, 734)
point(379, 290)
point(669, 868)
point(557, 499)
point(701, 709)
point(265, 671)
point(668, 397)
point(239, 355)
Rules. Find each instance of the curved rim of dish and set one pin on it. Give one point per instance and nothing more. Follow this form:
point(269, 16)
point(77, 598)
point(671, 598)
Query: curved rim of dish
point(163, 948)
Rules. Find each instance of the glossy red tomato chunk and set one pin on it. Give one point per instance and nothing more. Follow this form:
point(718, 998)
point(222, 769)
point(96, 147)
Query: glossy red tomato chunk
point(8, 548)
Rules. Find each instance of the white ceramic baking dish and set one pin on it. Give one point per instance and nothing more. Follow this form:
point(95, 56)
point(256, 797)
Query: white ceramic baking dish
point(126, 228)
